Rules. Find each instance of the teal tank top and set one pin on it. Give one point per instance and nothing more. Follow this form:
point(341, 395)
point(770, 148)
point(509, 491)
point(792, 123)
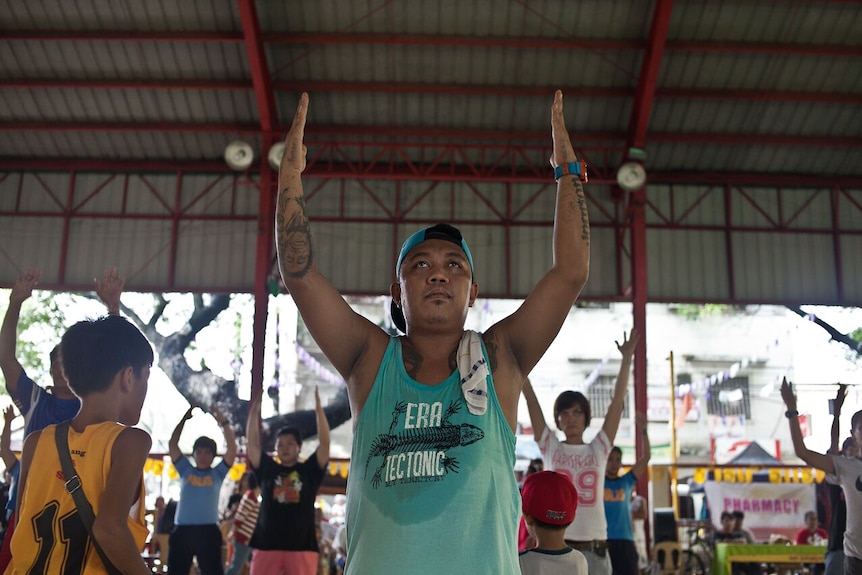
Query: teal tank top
point(431, 487)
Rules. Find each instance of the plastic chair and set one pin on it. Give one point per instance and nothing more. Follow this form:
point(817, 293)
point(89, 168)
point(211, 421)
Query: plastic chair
point(667, 557)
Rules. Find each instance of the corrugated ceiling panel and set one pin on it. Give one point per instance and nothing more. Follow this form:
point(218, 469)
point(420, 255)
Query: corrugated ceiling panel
point(118, 145)
point(696, 157)
point(753, 117)
point(755, 21)
point(218, 195)
point(30, 242)
point(685, 205)
point(355, 256)
point(794, 267)
point(461, 111)
point(143, 61)
point(488, 246)
point(685, 264)
point(95, 105)
point(622, 18)
point(111, 15)
point(752, 71)
point(141, 248)
point(851, 264)
point(460, 65)
point(44, 192)
point(216, 255)
point(532, 257)
point(608, 276)
point(850, 209)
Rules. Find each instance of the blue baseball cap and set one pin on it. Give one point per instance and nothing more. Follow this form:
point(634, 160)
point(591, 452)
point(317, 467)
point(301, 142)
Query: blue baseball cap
point(436, 232)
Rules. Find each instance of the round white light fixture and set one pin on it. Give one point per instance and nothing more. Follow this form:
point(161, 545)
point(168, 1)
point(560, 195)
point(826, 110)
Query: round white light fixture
point(276, 152)
point(239, 155)
point(631, 176)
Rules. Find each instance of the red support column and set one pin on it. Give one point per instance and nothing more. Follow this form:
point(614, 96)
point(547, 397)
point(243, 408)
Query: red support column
point(262, 268)
point(637, 200)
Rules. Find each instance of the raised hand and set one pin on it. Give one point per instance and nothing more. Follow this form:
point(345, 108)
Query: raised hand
point(110, 289)
point(563, 151)
point(787, 395)
point(839, 398)
point(640, 421)
point(294, 149)
point(188, 414)
point(23, 288)
point(8, 415)
point(627, 347)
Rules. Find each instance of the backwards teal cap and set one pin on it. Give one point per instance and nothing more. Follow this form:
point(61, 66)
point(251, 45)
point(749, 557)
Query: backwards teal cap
point(435, 232)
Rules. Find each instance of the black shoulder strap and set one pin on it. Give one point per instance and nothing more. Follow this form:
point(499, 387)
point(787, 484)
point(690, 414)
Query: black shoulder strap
point(76, 490)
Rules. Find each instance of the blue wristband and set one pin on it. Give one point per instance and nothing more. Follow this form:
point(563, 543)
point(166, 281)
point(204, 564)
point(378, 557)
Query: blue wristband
point(574, 168)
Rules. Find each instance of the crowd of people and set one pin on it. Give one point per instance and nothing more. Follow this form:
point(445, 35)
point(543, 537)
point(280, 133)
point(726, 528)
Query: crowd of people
point(434, 411)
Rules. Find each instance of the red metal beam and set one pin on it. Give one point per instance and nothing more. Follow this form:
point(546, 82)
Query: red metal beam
point(330, 38)
point(446, 173)
point(648, 78)
point(260, 76)
point(427, 88)
point(588, 140)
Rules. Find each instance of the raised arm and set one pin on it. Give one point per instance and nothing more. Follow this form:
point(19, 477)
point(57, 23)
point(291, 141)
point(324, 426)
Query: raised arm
point(835, 434)
point(22, 289)
point(343, 335)
point(528, 332)
point(252, 431)
point(174, 443)
point(812, 458)
point(322, 431)
point(641, 464)
point(122, 489)
point(615, 409)
point(229, 437)
point(537, 418)
point(9, 458)
point(110, 289)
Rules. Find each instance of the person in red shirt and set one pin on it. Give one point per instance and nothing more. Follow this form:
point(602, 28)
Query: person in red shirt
point(811, 534)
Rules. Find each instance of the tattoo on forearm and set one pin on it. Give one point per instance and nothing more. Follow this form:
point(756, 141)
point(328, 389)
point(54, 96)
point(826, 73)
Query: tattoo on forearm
point(293, 233)
point(581, 200)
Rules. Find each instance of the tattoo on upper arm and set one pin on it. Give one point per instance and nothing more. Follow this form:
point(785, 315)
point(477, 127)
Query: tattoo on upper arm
point(293, 236)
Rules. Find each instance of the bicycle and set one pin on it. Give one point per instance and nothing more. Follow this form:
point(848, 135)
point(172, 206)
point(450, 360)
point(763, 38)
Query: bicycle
point(697, 551)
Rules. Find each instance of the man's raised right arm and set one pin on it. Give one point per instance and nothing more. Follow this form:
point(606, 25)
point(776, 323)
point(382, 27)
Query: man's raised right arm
point(22, 289)
point(342, 334)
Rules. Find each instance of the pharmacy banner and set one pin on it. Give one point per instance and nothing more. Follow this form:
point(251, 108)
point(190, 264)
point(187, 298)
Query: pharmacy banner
point(769, 507)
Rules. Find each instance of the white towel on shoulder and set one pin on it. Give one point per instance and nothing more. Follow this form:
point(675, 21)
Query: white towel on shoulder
point(474, 372)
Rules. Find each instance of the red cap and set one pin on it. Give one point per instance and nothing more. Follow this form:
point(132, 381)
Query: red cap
point(549, 497)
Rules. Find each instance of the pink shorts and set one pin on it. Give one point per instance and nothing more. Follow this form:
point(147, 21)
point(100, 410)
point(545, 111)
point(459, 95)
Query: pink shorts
point(283, 562)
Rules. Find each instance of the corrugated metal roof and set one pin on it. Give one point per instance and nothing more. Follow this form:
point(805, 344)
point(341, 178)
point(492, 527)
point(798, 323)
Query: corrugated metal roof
point(423, 111)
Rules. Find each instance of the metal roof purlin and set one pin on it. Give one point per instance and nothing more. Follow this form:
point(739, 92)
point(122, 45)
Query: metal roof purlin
point(257, 66)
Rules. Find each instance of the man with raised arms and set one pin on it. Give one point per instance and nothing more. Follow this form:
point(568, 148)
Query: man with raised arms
point(434, 410)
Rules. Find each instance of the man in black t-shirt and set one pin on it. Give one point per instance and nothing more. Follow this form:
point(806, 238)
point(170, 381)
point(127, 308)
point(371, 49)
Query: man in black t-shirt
point(285, 538)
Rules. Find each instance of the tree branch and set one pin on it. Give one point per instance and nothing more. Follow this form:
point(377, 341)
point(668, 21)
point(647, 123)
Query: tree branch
point(833, 333)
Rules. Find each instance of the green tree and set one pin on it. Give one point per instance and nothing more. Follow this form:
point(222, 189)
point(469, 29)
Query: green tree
point(40, 326)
